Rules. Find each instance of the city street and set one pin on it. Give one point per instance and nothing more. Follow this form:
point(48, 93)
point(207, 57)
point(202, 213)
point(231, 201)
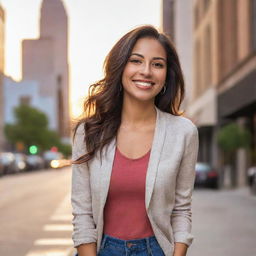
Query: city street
point(35, 213)
point(35, 217)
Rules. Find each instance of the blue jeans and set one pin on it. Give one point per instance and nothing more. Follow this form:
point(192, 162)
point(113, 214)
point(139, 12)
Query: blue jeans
point(111, 246)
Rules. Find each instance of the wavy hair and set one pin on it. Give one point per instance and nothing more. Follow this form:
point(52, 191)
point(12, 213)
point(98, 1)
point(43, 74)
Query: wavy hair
point(103, 105)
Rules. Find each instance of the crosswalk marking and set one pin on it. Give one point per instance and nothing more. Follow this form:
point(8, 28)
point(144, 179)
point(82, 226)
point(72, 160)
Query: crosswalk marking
point(59, 222)
point(57, 227)
point(53, 241)
point(61, 217)
point(48, 253)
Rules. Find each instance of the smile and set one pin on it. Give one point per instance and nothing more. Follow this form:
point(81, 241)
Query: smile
point(144, 83)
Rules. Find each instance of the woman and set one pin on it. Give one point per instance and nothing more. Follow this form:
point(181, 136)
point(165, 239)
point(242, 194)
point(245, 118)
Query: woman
point(134, 154)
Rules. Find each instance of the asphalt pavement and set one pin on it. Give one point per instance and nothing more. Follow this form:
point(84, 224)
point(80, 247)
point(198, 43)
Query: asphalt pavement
point(35, 217)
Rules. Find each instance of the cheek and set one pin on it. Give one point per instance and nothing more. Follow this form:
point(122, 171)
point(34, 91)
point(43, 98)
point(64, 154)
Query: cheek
point(162, 76)
point(128, 72)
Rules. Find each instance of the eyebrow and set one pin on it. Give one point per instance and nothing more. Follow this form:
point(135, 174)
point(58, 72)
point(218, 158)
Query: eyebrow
point(155, 58)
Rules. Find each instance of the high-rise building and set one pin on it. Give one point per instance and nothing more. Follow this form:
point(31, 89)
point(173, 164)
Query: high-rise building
point(46, 61)
point(236, 85)
point(203, 103)
point(2, 22)
point(224, 88)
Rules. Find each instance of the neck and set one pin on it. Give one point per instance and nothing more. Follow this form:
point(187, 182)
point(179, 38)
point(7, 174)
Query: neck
point(138, 114)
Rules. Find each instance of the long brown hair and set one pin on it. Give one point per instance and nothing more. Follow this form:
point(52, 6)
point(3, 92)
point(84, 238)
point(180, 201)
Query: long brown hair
point(103, 105)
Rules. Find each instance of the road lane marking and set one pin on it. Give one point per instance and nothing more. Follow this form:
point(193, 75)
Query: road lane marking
point(54, 241)
point(57, 227)
point(60, 221)
point(49, 253)
point(61, 217)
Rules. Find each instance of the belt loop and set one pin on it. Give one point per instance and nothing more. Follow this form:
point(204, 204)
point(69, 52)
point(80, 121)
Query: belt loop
point(148, 246)
point(103, 241)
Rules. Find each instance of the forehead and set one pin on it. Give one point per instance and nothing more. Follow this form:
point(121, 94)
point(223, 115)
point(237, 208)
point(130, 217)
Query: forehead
point(149, 47)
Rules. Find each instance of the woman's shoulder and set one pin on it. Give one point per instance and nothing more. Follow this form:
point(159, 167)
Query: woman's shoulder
point(79, 129)
point(79, 133)
point(180, 123)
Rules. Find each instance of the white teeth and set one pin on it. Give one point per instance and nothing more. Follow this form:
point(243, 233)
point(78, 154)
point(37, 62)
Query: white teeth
point(145, 84)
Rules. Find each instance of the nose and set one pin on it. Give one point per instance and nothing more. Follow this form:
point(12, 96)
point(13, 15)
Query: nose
point(146, 70)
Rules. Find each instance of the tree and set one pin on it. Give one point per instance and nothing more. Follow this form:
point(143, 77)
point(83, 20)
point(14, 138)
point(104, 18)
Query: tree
point(230, 138)
point(31, 128)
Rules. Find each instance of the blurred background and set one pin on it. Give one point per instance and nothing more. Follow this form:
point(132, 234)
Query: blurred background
point(52, 50)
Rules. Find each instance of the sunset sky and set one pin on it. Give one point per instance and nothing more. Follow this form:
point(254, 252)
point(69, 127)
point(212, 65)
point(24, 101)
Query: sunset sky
point(94, 26)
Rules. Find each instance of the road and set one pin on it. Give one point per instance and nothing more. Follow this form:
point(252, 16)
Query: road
point(35, 213)
point(35, 217)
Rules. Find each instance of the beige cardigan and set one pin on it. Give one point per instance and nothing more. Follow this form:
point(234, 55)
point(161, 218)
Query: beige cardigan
point(169, 184)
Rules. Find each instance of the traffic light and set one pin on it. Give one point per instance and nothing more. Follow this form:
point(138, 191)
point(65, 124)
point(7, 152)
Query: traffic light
point(33, 149)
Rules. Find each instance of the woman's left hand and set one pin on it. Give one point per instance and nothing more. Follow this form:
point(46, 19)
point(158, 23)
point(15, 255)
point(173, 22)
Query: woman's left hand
point(180, 249)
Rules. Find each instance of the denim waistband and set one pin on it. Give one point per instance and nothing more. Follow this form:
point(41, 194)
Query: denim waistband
point(129, 244)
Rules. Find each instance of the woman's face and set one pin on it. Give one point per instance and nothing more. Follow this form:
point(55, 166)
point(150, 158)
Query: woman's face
point(145, 72)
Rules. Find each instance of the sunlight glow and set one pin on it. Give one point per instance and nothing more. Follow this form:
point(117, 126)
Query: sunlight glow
point(90, 37)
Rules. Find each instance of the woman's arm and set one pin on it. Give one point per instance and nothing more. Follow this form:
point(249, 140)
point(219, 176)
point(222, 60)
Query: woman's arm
point(84, 228)
point(180, 249)
point(87, 249)
point(181, 217)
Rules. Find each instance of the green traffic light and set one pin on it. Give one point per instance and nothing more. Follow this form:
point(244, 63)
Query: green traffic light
point(33, 149)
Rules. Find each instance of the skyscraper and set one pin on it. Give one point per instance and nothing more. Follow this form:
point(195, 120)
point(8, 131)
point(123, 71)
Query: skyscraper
point(46, 60)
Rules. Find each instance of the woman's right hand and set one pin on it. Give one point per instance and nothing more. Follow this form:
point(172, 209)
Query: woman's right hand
point(89, 249)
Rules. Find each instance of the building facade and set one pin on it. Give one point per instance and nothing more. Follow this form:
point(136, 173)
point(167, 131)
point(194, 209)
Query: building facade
point(203, 101)
point(177, 24)
point(45, 60)
point(224, 88)
point(2, 22)
point(236, 84)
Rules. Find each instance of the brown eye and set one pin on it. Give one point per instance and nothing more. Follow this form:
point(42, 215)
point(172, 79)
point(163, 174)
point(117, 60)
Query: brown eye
point(158, 65)
point(136, 61)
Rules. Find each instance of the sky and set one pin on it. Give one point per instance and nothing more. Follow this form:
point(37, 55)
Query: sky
point(94, 27)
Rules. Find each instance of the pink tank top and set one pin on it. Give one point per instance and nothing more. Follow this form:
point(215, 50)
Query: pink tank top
point(125, 215)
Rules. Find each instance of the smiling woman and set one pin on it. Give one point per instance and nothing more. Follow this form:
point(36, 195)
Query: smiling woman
point(145, 70)
point(134, 154)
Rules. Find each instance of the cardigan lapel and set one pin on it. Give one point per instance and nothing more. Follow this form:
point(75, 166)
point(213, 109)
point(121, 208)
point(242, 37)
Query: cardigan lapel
point(156, 149)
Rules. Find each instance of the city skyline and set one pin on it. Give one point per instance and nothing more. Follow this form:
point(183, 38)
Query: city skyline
point(90, 38)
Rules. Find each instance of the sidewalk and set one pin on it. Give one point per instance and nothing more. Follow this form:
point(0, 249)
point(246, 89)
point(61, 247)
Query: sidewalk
point(241, 191)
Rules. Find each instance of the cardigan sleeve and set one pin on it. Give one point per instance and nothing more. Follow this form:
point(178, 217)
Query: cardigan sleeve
point(181, 217)
point(84, 228)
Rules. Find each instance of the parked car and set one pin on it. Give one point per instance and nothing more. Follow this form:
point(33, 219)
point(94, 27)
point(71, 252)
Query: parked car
point(20, 162)
point(7, 161)
point(49, 156)
point(251, 174)
point(1, 169)
point(206, 176)
point(35, 162)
